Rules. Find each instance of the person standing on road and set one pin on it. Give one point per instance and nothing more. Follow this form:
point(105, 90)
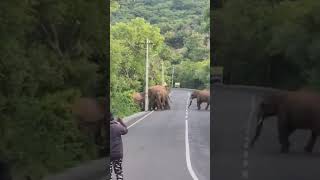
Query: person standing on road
point(117, 129)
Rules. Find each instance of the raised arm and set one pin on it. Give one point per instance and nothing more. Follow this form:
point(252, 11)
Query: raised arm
point(124, 129)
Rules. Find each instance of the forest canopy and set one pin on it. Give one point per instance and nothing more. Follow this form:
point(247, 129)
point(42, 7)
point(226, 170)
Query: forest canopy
point(269, 43)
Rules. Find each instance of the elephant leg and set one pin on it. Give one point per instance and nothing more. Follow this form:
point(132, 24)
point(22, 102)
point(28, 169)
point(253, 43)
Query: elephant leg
point(167, 105)
point(207, 106)
point(155, 106)
point(158, 105)
point(199, 105)
point(284, 132)
point(190, 103)
point(142, 106)
point(257, 133)
point(284, 141)
point(151, 106)
point(162, 103)
point(312, 140)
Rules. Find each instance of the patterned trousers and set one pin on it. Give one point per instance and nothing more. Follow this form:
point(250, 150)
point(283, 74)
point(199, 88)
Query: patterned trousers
point(116, 164)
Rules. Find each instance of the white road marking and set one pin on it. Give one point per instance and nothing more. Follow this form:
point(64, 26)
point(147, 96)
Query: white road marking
point(245, 154)
point(188, 159)
point(246, 145)
point(245, 174)
point(140, 119)
point(247, 138)
point(245, 165)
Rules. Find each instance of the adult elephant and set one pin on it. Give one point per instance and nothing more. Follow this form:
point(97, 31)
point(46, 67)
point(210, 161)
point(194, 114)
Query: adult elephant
point(165, 98)
point(159, 97)
point(294, 110)
point(139, 98)
point(202, 96)
point(89, 113)
point(167, 102)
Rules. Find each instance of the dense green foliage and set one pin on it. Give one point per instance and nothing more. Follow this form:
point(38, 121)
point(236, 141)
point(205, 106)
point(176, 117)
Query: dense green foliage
point(273, 43)
point(179, 31)
point(51, 52)
point(194, 74)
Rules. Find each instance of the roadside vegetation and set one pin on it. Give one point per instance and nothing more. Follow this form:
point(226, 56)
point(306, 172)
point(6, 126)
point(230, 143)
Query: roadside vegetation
point(50, 53)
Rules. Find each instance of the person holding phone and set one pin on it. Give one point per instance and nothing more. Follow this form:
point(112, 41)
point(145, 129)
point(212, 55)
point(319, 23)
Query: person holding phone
point(117, 129)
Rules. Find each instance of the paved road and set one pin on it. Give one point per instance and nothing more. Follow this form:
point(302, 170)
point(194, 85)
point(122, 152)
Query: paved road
point(233, 122)
point(93, 170)
point(155, 148)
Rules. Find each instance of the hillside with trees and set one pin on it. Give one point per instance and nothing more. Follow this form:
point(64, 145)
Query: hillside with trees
point(179, 31)
point(269, 43)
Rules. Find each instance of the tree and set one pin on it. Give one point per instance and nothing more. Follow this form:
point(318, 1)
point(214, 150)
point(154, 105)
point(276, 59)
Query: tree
point(196, 47)
point(50, 57)
point(277, 41)
point(128, 60)
point(193, 74)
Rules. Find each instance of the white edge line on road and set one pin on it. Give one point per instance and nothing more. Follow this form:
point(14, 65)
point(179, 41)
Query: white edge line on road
point(140, 119)
point(192, 173)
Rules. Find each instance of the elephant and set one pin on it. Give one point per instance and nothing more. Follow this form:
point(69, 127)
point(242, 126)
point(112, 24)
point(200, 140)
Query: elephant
point(139, 98)
point(90, 114)
point(294, 110)
point(202, 96)
point(165, 98)
point(155, 97)
point(159, 98)
point(167, 104)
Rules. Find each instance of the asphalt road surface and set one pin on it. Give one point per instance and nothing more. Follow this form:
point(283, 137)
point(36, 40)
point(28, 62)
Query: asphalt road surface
point(155, 147)
point(233, 123)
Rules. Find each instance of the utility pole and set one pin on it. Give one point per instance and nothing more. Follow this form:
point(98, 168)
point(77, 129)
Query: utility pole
point(146, 104)
point(162, 72)
point(172, 75)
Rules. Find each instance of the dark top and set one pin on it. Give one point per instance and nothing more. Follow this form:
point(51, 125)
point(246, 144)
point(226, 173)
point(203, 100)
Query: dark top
point(116, 147)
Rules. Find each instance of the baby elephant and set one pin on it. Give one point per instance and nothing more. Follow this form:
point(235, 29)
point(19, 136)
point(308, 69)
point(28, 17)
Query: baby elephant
point(294, 110)
point(201, 96)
